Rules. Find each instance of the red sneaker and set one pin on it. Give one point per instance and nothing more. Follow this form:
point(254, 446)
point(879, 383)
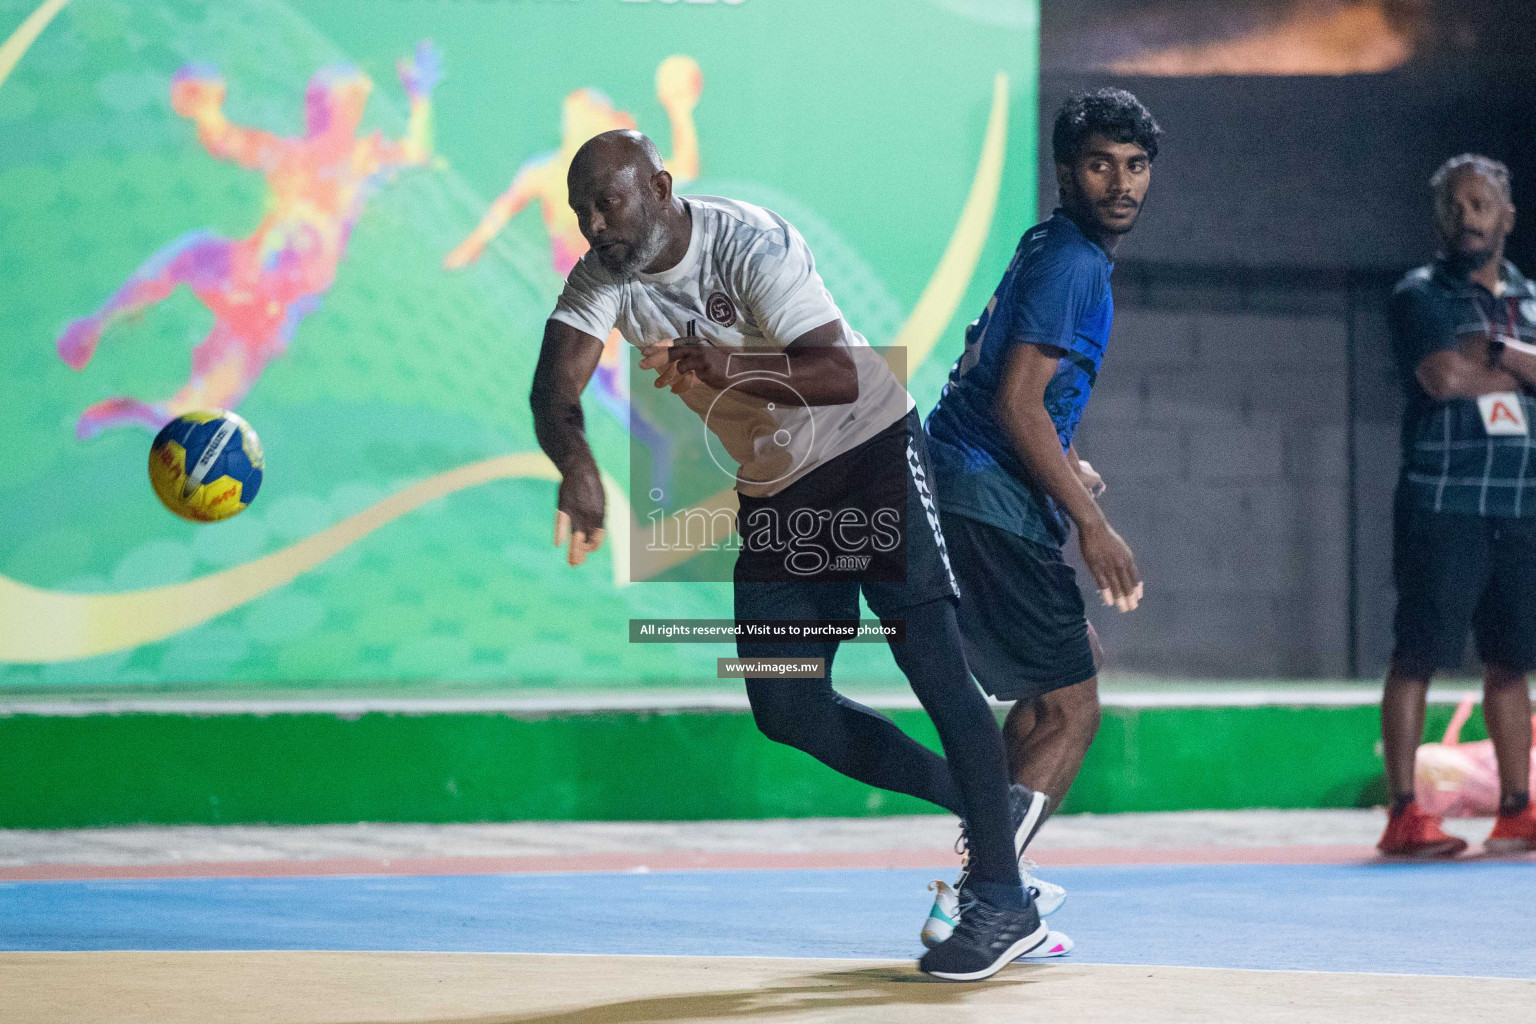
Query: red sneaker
point(1412, 833)
point(1513, 833)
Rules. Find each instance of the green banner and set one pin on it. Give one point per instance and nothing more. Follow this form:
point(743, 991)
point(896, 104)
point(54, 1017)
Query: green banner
point(346, 220)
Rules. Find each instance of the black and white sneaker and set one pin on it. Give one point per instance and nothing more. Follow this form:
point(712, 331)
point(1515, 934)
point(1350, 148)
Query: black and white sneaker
point(1030, 809)
point(1027, 807)
point(986, 939)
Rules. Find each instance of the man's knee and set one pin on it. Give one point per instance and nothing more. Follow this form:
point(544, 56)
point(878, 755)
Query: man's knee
point(784, 710)
point(1409, 671)
point(1021, 720)
point(1497, 677)
point(774, 717)
point(1073, 707)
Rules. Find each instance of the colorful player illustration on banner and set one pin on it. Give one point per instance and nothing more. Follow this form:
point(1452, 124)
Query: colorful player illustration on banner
point(260, 288)
point(300, 272)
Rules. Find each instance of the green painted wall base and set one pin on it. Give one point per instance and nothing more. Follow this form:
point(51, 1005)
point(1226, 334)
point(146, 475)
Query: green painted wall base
point(302, 768)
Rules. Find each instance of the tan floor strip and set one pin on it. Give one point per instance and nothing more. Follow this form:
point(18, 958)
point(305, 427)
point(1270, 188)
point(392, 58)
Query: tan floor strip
point(456, 988)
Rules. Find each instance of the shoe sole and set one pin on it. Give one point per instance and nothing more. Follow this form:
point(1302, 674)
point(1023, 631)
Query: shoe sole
point(1508, 846)
point(1034, 817)
point(1012, 953)
point(1055, 944)
point(1435, 852)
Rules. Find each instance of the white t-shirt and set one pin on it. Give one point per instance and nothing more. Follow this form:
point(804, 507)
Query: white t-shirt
point(750, 282)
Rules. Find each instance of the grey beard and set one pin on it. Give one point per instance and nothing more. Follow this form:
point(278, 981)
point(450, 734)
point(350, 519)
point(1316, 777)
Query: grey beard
point(643, 254)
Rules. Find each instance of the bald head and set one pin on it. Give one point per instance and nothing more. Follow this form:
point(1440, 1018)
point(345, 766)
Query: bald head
point(622, 197)
point(614, 154)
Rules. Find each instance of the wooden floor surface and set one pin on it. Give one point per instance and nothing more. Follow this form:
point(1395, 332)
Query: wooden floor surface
point(374, 988)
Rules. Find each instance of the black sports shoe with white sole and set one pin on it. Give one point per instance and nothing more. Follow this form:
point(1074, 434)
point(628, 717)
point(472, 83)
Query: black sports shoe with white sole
point(986, 939)
point(1030, 809)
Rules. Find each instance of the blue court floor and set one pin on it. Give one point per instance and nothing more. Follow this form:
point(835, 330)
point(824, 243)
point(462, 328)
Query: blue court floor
point(1445, 919)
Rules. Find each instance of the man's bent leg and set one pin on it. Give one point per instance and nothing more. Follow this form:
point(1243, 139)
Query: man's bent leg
point(844, 735)
point(1047, 738)
point(811, 716)
point(183, 261)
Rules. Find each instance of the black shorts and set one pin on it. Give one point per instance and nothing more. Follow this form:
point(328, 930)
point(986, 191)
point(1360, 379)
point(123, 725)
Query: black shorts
point(864, 520)
point(1026, 631)
point(1456, 573)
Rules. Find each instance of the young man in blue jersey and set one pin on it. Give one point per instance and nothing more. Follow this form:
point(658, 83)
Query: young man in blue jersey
point(1008, 481)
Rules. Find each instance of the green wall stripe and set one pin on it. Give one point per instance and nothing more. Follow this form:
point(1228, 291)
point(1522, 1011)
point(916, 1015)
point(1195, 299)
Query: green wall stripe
point(63, 772)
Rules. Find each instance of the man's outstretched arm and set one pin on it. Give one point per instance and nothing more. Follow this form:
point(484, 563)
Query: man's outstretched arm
point(1021, 411)
point(567, 360)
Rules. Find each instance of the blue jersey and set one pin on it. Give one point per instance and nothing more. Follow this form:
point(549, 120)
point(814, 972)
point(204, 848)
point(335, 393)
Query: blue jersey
point(1055, 293)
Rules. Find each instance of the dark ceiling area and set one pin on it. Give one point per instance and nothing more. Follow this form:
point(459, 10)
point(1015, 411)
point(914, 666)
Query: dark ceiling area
point(1320, 171)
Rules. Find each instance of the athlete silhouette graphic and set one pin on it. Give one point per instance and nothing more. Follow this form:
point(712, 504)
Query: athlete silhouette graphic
point(259, 288)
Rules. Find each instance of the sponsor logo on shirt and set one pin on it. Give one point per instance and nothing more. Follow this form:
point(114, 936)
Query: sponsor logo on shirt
point(720, 310)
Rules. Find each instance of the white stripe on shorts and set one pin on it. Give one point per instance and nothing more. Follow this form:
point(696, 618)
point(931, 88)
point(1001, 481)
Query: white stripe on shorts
point(920, 478)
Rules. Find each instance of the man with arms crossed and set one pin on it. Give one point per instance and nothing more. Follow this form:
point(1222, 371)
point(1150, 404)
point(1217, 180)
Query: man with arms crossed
point(843, 445)
point(1009, 479)
point(1464, 529)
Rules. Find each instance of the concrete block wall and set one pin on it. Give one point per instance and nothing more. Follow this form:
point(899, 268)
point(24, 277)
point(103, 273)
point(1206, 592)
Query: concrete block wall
point(1221, 424)
point(1282, 210)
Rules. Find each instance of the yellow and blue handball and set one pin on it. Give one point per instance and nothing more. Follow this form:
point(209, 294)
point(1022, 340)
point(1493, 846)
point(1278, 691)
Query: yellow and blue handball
point(206, 466)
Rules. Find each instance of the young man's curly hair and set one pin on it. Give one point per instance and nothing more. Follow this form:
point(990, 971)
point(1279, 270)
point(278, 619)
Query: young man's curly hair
point(1113, 113)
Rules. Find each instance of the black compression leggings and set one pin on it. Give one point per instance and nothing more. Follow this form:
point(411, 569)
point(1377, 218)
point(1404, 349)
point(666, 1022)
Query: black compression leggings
point(865, 745)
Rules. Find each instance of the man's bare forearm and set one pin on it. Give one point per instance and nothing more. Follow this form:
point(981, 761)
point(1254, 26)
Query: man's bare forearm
point(1520, 365)
point(1476, 381)
point(560, 427)
point(819, 376)
point(1456, 374)
point(567, 361)
point(821, 368)
point(1039, 448)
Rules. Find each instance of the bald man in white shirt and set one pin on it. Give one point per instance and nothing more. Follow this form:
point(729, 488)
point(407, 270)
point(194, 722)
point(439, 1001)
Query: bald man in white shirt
point(833, 441)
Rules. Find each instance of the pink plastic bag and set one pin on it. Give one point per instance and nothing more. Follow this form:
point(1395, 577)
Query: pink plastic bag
point(1460, 780)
